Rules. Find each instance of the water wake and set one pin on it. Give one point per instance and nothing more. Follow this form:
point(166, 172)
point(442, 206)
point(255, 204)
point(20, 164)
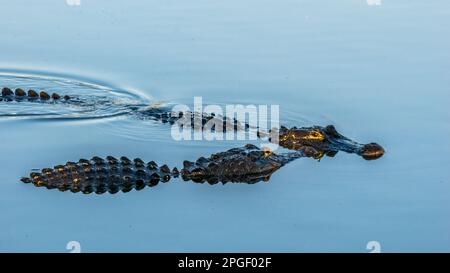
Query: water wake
point(99, 101)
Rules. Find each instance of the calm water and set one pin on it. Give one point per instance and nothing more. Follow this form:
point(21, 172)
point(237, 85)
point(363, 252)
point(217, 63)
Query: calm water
point(378, 73)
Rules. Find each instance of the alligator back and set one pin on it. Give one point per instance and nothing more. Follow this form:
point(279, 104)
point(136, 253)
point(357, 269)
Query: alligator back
point(102, 175)
point(248, 164)
point(20, 95)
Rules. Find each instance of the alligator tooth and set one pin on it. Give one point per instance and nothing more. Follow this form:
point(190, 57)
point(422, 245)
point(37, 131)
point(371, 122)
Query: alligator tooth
point(44, 95)
point(20, 93)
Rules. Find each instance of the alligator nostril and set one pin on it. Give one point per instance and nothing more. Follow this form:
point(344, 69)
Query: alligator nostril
point(26, 180)
point(372, 151)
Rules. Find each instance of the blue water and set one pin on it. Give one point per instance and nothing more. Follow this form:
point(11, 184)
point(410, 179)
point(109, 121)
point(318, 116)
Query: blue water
point(377, 72)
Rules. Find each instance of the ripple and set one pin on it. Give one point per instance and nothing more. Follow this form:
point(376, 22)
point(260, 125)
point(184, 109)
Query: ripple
point(100, 100)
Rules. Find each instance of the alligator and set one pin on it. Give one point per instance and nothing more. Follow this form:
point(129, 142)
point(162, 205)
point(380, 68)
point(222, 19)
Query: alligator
point(248, 164)
point(324, 138)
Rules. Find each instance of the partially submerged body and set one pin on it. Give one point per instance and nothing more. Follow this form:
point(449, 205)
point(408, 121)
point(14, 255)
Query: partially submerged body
point(247, 165)
point(31, 95)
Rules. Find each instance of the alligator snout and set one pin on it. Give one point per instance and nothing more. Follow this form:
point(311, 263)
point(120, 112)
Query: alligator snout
point(371, 151)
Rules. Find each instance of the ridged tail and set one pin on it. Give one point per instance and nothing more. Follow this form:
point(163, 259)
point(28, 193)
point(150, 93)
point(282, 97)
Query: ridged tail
point(20, 95)
point(100, 175)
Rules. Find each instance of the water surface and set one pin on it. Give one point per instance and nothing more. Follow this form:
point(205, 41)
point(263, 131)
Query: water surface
point(378, 73)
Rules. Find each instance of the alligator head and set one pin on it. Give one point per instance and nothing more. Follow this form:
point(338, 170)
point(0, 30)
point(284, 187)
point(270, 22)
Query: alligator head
point(318, 141)
point(249, 164)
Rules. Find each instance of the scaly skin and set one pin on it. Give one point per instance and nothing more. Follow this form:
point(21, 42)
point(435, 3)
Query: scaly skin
point(102, 175)
point(245, 165)
point(317, 137)
point(326, 140)
point(248, 164)
point(20, 95)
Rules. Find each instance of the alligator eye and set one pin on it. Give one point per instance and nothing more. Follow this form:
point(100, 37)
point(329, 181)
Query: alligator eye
point(314, 135)
point(267, 152)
